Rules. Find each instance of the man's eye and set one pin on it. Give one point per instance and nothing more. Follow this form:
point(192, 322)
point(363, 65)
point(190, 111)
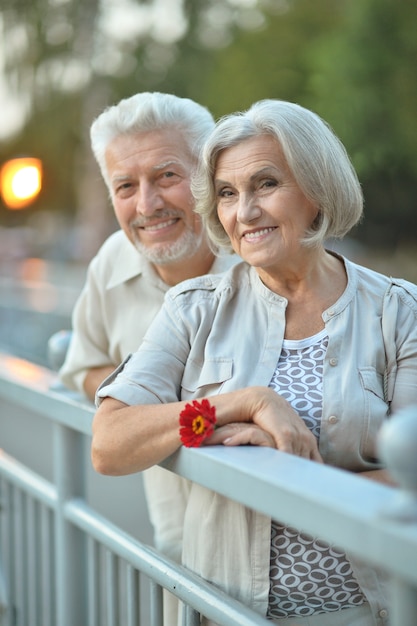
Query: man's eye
point(123, 189)
point(123, 186)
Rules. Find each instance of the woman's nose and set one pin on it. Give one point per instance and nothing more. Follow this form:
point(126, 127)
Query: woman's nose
point(248, 208)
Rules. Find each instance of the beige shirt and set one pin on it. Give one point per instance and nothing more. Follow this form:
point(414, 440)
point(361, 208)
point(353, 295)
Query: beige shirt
point(121, 297)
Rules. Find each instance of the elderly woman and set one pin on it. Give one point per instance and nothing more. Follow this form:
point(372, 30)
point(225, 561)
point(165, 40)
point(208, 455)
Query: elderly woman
point(295, 348)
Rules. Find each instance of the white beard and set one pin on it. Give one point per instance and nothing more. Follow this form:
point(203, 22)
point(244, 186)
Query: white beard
point(169, 252)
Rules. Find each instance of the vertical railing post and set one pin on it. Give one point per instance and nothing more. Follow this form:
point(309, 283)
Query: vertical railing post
point(70, 545)
point(156, 603)
point(190, 617)
point(398, 448)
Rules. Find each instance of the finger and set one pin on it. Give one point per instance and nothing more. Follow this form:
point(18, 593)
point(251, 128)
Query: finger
point(300, 442)
point(316, 456)
point(288, 440)
point(220, 434)
point(253, 437)
point(310, 449)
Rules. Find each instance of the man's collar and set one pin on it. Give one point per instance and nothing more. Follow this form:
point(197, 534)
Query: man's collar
point(127, 263)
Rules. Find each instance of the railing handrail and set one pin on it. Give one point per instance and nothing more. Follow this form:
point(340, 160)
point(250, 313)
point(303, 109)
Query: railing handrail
point(343, 508)
point(37, 388)
point(186, 585)
point(353, 513)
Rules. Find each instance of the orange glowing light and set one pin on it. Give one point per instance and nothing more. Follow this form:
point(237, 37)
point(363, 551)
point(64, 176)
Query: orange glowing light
point(20, 181)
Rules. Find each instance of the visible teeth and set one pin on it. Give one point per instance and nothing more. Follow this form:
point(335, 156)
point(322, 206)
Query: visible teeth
point(258, 233)
point(160, 225)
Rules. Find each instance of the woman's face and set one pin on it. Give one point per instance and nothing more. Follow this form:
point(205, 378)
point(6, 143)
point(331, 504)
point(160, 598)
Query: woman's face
point(261, 207)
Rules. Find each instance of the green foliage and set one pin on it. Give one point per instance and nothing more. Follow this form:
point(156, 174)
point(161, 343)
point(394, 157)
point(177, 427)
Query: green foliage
point(353, 62)
point(274, 60)
point(367, 87)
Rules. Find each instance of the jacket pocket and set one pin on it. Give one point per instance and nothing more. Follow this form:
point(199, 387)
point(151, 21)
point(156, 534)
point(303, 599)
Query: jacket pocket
point(376, 411)
point(206, 378)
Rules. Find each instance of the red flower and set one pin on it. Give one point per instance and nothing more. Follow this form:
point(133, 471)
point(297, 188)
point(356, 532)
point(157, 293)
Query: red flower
point(197, 422)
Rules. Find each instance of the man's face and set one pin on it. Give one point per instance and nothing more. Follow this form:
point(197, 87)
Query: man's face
point(149, 176)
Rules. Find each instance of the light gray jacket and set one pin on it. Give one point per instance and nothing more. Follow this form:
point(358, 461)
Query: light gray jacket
point(216, 334)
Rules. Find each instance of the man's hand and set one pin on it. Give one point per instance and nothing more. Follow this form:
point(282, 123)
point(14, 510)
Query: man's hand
point(94, 378)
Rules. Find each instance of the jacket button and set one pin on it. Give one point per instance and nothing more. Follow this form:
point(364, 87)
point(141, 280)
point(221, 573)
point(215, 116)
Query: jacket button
point(383, 613)
point(333, 362)
point(333, 419)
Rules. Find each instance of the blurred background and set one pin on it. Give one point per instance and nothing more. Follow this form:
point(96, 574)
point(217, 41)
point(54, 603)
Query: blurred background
point(63, 61)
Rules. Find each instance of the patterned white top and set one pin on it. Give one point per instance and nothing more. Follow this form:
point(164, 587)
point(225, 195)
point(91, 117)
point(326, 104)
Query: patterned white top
point(308, 576)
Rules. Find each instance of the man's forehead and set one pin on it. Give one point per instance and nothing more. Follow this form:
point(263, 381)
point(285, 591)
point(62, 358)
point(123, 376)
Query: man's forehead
point(167, 145)
point(173, 137)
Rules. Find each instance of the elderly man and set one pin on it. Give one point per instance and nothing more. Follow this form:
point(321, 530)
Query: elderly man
point(146, 147)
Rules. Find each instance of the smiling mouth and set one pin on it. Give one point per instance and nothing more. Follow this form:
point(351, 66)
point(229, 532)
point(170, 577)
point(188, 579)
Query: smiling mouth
point(258, 233)
point(160, 225)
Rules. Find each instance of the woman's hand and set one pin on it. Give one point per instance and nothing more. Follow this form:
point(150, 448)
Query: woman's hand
point(274, 416)
point(240, 434)
point(128, 439)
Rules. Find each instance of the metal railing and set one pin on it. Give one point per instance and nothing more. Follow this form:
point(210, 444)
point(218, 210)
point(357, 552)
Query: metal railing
point(65, 564)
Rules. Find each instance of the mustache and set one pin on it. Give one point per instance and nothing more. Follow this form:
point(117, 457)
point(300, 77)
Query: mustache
point(160, 213)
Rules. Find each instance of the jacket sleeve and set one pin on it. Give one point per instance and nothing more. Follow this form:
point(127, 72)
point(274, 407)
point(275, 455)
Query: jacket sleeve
point(154, 373)
point(399, 327)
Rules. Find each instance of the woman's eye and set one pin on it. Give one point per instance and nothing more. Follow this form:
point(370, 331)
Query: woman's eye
point(268, 183)
point(224, 193)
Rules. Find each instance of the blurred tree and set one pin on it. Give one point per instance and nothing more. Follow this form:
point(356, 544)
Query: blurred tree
point(273, 60)
point(48, 47)
point(66, 60)
point(352, 61)
point(363, 82)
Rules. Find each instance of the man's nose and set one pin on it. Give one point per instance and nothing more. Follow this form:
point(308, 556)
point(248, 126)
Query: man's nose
point(148, 200)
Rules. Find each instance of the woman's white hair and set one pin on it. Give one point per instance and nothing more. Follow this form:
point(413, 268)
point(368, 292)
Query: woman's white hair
point(146, 112)
point(314, 154)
